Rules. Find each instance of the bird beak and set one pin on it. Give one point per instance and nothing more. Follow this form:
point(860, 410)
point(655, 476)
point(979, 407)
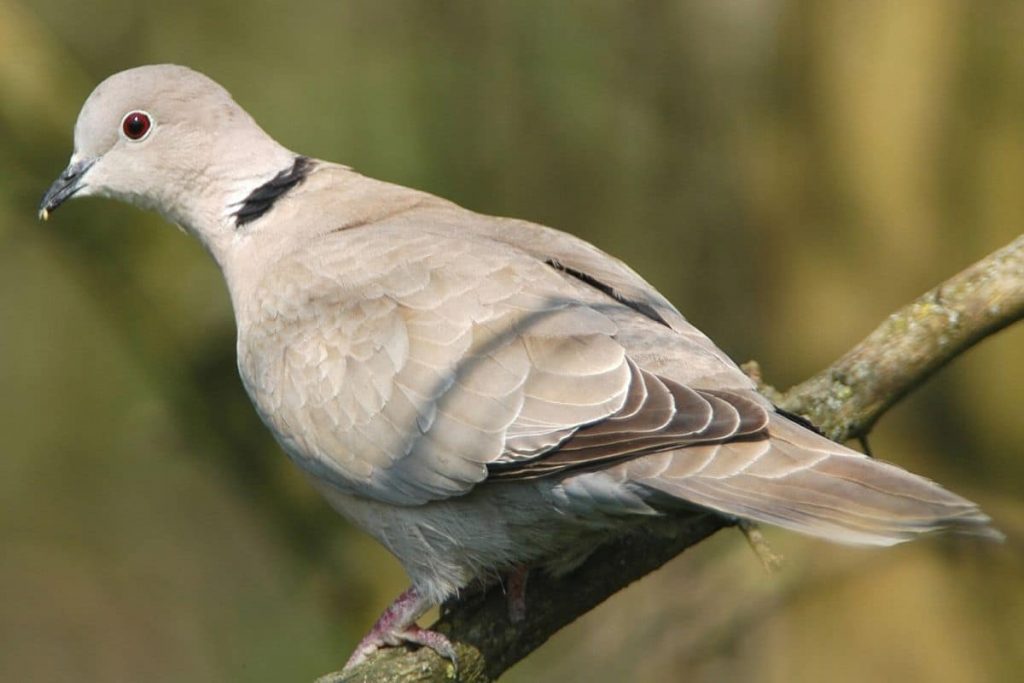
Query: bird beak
point(64, 187)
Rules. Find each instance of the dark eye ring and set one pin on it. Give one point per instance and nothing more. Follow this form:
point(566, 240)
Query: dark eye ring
point(136, 125)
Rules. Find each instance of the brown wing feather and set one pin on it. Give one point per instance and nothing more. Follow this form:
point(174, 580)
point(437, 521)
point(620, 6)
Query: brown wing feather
point(658, 415)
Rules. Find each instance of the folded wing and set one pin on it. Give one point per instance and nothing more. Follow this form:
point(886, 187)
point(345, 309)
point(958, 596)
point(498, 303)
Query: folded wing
point(434, 365)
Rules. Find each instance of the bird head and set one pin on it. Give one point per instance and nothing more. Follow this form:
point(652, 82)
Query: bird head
point(167, 138)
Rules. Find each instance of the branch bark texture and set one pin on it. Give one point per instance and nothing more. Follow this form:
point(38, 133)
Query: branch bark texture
point(844, 401)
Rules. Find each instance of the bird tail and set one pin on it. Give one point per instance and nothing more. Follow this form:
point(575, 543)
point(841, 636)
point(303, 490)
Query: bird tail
point(802, 481)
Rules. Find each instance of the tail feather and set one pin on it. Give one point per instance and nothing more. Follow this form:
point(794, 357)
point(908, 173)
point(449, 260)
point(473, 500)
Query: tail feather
point(806, 483)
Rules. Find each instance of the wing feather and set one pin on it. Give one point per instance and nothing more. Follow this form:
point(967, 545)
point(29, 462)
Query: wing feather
point(802, 481)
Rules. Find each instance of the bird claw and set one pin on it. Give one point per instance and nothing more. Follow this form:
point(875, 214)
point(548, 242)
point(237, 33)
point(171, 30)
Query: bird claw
point(438, 642)
point(413, 635)
point(397, 626)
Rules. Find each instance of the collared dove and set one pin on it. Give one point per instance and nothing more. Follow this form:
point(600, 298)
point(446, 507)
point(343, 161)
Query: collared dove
point(479, 394)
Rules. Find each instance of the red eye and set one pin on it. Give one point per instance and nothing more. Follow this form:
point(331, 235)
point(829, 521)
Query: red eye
point(136, 125)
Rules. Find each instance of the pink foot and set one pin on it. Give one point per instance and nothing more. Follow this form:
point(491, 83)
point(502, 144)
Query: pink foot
point(397, 625)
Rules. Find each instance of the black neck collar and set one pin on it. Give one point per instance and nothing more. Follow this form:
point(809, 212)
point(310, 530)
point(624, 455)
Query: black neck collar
point(260, 200)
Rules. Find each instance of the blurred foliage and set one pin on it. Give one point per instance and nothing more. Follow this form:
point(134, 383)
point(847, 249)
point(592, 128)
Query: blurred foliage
point(786, 172)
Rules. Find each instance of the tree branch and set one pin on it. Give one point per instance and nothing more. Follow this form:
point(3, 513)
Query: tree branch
point(844, 400)
point(847, 398)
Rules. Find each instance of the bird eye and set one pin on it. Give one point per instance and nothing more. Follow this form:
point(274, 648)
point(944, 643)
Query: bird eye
point(136, 124)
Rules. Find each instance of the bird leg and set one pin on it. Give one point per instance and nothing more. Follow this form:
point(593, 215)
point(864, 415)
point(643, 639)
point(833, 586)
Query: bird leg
point(397, 625)
point(515, 593)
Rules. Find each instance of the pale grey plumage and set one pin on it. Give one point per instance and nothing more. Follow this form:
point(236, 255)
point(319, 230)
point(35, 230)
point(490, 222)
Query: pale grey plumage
point(476, 392)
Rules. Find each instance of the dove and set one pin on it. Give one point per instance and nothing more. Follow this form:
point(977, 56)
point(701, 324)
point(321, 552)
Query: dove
point(479, 394)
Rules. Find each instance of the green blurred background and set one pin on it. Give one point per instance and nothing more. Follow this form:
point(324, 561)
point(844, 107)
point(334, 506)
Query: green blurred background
point(788, 173)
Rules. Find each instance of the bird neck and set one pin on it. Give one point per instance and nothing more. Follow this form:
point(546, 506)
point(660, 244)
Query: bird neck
point(238, 187)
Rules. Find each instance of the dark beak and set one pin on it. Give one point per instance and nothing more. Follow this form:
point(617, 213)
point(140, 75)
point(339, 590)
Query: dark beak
point(64, 187)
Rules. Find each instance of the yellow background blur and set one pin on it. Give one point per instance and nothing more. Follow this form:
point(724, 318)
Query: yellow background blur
point(787, 173)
